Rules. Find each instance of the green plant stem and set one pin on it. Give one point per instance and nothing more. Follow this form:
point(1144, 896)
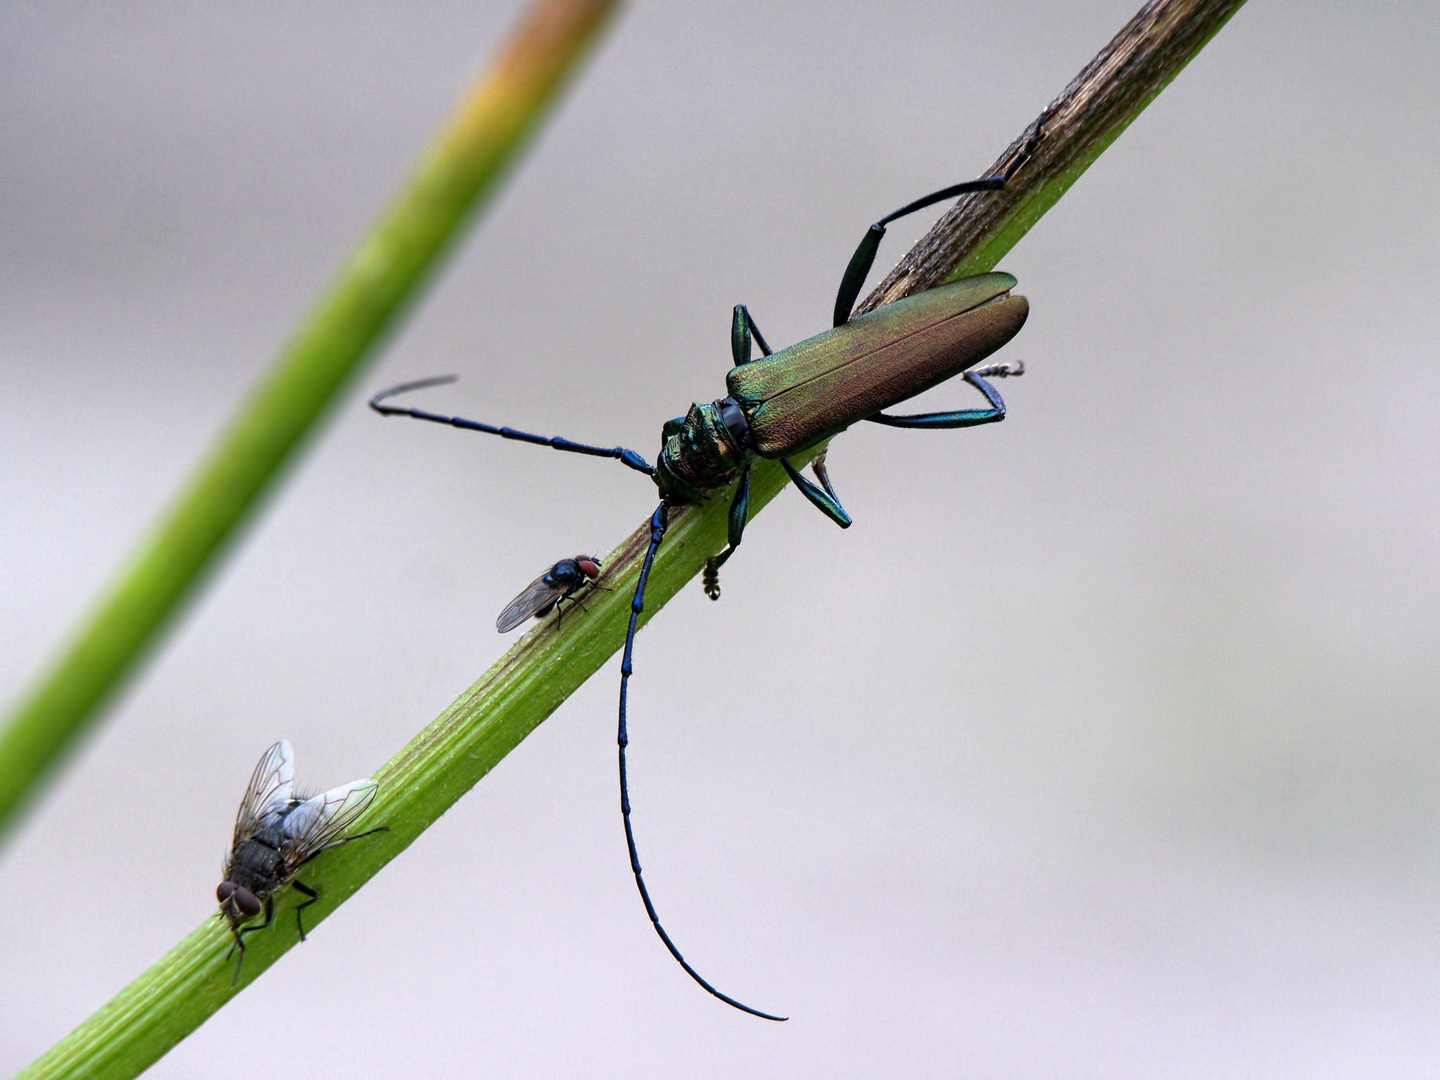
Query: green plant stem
point(516, 695)
point(465, 165)
point(1100, 103)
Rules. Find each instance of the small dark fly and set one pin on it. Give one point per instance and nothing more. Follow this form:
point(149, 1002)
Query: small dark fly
point(558, 584)
point(275, 835)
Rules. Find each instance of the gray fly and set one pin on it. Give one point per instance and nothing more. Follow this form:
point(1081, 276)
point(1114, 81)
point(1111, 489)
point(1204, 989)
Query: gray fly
point(275, 835)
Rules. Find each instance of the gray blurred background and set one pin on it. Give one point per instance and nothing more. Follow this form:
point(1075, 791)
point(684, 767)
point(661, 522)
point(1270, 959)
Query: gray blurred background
point(1106, 742)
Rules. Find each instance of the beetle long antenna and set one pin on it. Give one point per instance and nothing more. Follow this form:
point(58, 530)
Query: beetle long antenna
point(658, 523)
point(628, 457)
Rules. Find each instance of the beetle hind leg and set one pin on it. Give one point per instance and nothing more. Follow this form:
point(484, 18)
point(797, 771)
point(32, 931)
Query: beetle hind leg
point(742, 330)
point(959, 418)
point(864, 258)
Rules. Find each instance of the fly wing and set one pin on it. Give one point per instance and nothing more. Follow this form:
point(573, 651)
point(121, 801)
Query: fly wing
point(316, 823)
point(269, 791)
point(537, 597)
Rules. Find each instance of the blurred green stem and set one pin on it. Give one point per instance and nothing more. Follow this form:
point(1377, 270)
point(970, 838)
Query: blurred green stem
point(460, 170)
point(531, 680)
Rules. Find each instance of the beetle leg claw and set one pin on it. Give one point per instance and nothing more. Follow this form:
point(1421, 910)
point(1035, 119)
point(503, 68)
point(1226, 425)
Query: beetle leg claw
point(822, 474)
point(999, 371)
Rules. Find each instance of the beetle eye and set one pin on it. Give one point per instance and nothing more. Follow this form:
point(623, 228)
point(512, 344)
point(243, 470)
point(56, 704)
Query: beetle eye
point(225, 891)
point(247, 902)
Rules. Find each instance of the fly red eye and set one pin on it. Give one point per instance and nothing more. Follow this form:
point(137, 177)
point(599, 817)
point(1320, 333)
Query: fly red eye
point(225, 891)
point(589, 567)
point(247, 902)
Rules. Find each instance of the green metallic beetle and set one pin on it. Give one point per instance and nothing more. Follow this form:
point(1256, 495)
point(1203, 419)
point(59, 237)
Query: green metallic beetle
point(787, 402)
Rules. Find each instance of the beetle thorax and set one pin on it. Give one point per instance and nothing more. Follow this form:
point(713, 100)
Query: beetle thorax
point(703, 452)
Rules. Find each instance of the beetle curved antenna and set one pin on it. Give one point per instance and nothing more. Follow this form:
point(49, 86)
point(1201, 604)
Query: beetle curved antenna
point(627, 457)
point(658, 523)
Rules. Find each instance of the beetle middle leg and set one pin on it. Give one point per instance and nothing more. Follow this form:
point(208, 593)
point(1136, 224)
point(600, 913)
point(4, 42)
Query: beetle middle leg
point(817, 466)
point(823, 499)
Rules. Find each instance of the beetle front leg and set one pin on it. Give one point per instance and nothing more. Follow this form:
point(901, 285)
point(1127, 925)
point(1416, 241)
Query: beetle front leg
point(739, 515)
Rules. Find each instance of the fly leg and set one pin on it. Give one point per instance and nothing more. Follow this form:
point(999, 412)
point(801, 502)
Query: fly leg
point(575, 601)
point(240, 933)
point(961, 417)
point(312, 896)
point(560, 611)
point(658, 523)
point(627, 457)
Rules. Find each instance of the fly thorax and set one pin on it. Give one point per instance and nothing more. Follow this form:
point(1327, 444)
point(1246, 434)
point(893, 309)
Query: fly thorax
point(703, 452)
point(256, 863)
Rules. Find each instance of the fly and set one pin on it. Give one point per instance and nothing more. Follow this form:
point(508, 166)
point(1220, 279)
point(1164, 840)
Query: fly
point(552, 588)
point(275, 835)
